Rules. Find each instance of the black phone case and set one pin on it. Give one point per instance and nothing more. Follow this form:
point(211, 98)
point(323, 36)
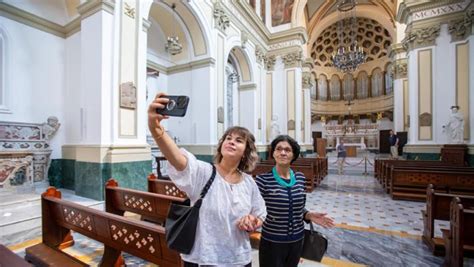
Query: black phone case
point(176, 107)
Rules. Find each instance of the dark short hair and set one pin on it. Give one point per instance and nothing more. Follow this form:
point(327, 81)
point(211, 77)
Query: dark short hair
point(286, 138)
point(250, 157)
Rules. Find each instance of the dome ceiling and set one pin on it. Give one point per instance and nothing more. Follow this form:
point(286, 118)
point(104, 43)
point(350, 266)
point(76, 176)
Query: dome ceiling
point(371, 35)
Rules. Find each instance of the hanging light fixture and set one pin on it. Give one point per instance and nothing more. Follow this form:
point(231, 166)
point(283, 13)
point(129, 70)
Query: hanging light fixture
point(172, 44)
point(348, 55)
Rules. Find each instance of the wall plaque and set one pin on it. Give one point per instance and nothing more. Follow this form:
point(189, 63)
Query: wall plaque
point(425, 119)
point(128, 95)
point(291, 125)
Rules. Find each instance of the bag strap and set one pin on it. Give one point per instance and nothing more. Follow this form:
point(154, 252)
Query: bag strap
point(209, 182)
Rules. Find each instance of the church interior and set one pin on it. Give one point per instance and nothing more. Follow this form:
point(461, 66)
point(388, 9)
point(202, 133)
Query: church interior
point(390, 81)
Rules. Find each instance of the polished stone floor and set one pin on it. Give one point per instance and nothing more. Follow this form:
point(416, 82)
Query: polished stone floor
point(371, 229)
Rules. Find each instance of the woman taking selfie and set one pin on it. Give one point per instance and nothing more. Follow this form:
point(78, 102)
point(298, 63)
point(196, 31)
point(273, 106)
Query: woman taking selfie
point(232, 207)
point(281, 242)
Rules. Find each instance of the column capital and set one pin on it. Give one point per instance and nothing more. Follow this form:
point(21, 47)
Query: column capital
point(294, 59)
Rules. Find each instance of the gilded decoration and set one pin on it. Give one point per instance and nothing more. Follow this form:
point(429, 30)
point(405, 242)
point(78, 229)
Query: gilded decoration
point(270, 62)
point(461, 28)
point(222, 20)
point(421, 37)
point(129, 11)
point(293, 59)
point(425, 119)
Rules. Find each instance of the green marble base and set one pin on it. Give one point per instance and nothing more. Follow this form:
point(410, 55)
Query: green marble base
point(470, 160)
point(88, 179)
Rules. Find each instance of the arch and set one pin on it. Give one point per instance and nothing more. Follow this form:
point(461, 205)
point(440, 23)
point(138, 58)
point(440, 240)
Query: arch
point(364, 11)
point(243, 63)
point(335, 87)
point(362, 85)
point(185, 21)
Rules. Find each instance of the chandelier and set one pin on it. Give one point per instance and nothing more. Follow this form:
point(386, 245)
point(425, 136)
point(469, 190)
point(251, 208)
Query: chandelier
point(172, 44)
point(348, 55)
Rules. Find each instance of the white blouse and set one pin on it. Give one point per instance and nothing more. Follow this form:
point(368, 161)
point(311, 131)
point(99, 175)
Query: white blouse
point(219, 241)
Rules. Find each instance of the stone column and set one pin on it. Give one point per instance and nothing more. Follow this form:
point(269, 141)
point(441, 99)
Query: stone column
point(400, 114)
point(293, 73)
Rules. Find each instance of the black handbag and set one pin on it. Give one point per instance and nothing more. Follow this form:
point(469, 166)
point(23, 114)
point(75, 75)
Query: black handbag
point(181, 222)
point(315, 244)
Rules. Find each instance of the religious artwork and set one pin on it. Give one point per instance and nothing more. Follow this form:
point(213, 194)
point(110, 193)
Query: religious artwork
point(425, 119)
point(291, 125)
point(128, 95)
point(455, 127)
point(50, 127)
point(262, 10)
point(281, 11)
point(19, 132)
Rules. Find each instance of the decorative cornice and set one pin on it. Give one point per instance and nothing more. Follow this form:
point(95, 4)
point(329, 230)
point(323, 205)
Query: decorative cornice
point(72, 27)
point(270, 61)
point(293, 59)
point(408, 8)
point(157, 67)
point(191, 65)
point(400, 69)
point(421, 37)
point(91, 7)
point(32, 20)
point(222, 21)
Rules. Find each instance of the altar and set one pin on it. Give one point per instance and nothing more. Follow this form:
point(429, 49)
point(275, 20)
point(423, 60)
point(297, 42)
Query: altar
point(358, 136)
point(351, 148)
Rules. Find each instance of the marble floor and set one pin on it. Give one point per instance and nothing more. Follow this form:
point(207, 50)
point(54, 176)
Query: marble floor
point(371, 229)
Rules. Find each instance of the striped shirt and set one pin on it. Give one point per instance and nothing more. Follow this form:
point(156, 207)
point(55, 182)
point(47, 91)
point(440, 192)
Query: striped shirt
point(285, 208)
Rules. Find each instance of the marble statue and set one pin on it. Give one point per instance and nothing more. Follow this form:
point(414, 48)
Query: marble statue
point(50, 127)
point(455, 127)
point(275, 130)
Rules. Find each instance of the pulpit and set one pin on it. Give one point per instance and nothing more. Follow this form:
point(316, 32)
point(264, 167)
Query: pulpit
point(454, 154)
point(321, 144)
point(351, 151)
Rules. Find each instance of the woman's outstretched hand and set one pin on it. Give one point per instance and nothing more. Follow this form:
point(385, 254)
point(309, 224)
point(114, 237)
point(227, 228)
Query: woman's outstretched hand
point(321, 219)
point(249, 223)
point(154, 118)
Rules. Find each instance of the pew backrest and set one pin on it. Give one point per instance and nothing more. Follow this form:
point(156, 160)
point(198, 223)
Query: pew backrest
point(141, 239)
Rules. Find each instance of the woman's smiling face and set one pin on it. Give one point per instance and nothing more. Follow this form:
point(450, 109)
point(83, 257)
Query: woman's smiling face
point(233, 146)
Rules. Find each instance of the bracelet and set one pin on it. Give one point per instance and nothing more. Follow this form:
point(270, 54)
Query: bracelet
point(159, 135)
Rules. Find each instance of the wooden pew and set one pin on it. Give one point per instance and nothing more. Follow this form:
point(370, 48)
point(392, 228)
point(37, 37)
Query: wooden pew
point(459, 239)
point(8, 258)
point(152, 207)
point(385, 175)
point(141, 239)
point(411, 183)
point(164, 187)
point(438, 208)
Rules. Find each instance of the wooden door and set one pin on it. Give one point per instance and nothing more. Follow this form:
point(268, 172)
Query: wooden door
point(384, 142)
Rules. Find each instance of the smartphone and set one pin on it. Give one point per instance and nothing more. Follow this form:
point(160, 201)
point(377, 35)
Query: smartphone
point(176, 107)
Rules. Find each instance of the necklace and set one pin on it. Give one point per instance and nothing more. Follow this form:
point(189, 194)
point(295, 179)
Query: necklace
point(282, 181)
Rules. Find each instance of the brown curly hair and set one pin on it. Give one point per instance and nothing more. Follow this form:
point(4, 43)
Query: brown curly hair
point(250, 157)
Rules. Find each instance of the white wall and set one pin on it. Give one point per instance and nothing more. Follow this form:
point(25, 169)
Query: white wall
point(36, 71)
